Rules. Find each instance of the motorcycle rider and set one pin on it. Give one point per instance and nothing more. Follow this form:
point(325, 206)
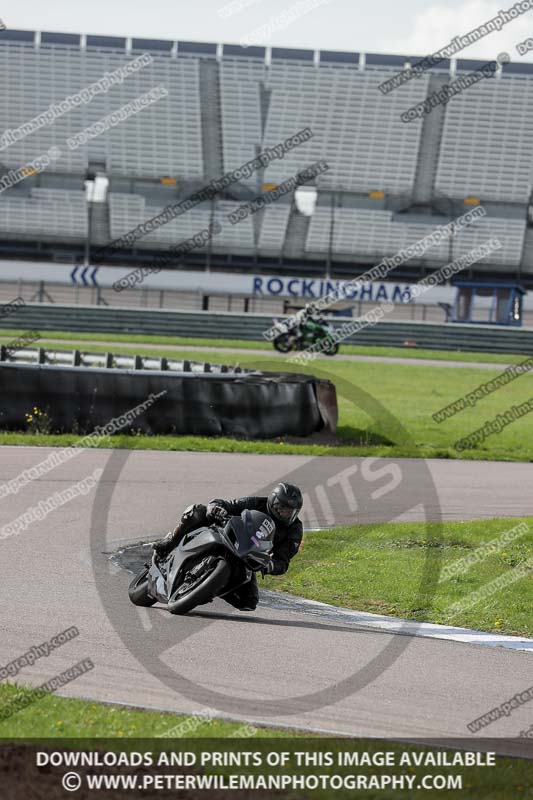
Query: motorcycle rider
point(283, 504)
point(309, 323)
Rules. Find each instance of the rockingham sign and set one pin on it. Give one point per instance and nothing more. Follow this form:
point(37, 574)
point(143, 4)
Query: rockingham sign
point(309, 289)
point(267, 286)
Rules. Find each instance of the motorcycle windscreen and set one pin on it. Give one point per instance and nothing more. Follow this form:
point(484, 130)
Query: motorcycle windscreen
point(252, 532)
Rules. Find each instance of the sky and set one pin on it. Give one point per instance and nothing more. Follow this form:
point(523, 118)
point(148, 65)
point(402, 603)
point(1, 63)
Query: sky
point(413, 27)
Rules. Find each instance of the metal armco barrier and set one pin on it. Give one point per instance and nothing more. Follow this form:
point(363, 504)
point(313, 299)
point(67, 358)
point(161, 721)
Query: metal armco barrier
point(77, 358)
point(255, 405)
point(96, 319)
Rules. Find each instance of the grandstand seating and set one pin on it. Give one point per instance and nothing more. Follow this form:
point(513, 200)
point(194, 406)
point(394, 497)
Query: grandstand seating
point(273, 228)
point(487, 142)
point(240, 98)
point(159, 140)
point(129, 210)
point(44, 212)
point(357, 130)
point(378, 233)
point(239, 237)
point(257, 98)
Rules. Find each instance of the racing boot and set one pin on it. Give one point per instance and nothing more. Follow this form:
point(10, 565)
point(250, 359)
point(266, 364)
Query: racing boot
point(193, 517)
point(165, 545)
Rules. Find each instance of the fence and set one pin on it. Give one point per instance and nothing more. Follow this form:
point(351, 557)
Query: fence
point(143, 297)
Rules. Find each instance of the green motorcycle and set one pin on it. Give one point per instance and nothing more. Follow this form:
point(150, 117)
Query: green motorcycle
point(310, 332)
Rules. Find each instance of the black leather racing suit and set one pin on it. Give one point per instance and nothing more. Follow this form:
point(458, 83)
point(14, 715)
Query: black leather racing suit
point(287, 540)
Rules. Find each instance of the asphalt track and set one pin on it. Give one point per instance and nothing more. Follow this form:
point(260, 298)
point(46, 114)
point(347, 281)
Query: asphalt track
point(431, 689)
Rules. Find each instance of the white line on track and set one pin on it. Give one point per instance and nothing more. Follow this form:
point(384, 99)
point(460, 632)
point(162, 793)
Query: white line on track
point(427, 630)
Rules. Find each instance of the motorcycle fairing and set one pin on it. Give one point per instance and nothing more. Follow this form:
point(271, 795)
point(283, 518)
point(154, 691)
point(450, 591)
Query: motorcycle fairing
point(248, 537)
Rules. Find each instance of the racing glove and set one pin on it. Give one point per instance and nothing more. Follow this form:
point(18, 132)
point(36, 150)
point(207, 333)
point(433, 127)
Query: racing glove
point(217, 514)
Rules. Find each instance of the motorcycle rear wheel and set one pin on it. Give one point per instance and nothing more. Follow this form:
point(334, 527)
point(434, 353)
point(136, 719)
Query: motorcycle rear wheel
point(203, 591)
point(282, 343)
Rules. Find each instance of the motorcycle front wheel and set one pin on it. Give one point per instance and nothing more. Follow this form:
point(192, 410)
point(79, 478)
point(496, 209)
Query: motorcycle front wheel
point(197, 589)
point(138, 590)
point(330, 348)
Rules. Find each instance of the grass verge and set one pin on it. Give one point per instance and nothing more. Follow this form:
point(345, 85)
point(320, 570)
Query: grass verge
point(205, 444)
point(380, 568)
point(142, 339)
point(68, 717)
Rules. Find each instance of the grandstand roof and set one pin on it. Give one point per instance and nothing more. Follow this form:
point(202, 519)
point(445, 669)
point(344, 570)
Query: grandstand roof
point(211, 49)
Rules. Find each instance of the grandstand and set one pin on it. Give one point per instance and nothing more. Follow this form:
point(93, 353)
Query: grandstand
point(388, 184)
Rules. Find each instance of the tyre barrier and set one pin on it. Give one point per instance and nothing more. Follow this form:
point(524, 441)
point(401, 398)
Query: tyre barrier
point(253, 405)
